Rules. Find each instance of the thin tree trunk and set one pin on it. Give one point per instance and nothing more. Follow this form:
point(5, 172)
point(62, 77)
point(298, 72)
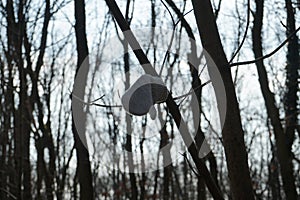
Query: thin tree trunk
point(128, 145)
point(167, 160)
point(15, 33)
point(7, 111)
point(283, 154)
point(200, 137)
point(83, 163)
point(273, 167)
point(292, 74)
point(144, 177)
point(196, 81)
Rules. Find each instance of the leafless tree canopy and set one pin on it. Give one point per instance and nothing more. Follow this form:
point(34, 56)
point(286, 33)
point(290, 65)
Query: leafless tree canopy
point(149, 99)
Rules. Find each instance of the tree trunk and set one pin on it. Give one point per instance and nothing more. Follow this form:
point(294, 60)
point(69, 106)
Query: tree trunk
point(15, 34)
point(83, 163)
point(233, 135)
point(128, 145)
point(283, 154)
point(292, 74)
point(172, 106)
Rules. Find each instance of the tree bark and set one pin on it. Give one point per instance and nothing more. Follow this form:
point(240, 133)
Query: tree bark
point(292, 74)
point(233, 135)
point(283, 154)
point(83, 163)
point(22, 122)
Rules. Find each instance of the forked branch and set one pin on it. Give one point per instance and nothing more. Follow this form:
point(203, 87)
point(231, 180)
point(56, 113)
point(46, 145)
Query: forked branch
point(172, 106)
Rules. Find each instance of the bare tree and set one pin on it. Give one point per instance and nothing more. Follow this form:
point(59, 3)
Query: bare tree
point(283, 153)
point(233, 135)
point(83, 163)
point(292, 74)
point(172, 106)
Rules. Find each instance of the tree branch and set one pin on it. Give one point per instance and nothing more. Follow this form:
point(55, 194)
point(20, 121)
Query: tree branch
point(268, 55)
point(172, 106)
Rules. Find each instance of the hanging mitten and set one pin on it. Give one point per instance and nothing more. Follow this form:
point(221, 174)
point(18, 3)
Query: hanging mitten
point(143, 94)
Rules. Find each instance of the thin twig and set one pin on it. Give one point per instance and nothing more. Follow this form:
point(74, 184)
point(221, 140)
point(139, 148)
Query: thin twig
point(173, 34)
point(95, 104)
point(190, 165)
point(217, 10)
point(173, 21)
point(171, 40)
point(212, 129)
point(167, 52)
point(7, 192)
point(191, 90)
point(98, 99)
point(245, 34)
point(183, 16)
point(268, 55)
point(295, 158)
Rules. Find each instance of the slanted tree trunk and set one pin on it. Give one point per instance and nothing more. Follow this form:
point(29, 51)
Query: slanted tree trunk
point(233, 135)
point(283, 154)
point(196, 86)
point(172, 106)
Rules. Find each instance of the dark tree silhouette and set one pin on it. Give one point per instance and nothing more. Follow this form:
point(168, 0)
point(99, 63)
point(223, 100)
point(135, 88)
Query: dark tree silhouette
point(83, 163)
point(233, 135)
